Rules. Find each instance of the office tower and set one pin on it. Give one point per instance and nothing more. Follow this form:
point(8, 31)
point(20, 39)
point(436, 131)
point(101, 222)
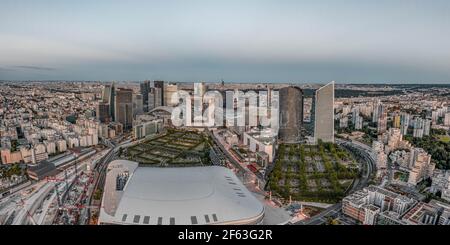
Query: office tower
point(154, 98)
point(151, 99)
point(124, 107)
point(138, 104)
point(404, 123)
point(103, 112)
point(324, 114)
point(291, 114)
point(145, 90)
point(170, 94)
point(108, 94)
point(158, 97)
point(160, 85)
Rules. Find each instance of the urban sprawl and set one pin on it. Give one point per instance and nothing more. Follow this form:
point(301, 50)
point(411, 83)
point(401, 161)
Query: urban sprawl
point(332, 154)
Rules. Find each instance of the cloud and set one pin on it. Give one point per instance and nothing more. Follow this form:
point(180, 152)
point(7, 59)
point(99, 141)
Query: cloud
point(42, 68)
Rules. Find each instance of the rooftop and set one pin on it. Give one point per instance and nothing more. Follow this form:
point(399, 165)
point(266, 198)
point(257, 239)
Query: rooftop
point(181, 196)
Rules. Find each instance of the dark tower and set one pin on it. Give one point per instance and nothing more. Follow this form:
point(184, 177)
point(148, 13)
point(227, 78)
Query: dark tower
point(291, 114)
point(160, 85)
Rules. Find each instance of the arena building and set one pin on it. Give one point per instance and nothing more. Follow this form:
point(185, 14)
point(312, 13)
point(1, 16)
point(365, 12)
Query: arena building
point(137, 195)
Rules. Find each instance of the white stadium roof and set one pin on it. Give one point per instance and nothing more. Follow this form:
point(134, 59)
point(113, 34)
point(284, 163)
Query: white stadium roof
point(181, 196)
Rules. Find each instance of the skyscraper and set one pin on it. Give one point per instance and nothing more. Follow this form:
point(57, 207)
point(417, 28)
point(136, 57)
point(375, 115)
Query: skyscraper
point(170, 94)
point(404, 123)
point(151, 99)
point(109, 92)
point(124, 107)
point(103, 112)
point(106, 94)
point(138, 104)
point(154, 98)
point(324, 113)
point(145, 89)
point(160, 85)
point(381, 119)
point(291, 114)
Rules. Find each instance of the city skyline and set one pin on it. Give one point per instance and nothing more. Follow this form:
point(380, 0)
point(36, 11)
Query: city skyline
point(263, 41)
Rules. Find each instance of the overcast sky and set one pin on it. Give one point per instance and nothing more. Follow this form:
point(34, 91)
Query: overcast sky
point(240, 41)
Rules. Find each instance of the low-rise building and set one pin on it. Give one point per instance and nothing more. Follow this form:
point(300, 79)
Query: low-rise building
point(261, 140)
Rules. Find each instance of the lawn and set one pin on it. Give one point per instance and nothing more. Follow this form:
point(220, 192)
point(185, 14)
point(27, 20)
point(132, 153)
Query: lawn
point(175, 148)
point(318, 173)
point(444, 138)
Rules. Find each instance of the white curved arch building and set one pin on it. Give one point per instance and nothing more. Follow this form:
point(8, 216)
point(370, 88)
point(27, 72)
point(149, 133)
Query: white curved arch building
point(176, 196)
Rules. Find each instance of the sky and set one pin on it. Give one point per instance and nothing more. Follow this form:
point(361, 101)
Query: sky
point(383, 41)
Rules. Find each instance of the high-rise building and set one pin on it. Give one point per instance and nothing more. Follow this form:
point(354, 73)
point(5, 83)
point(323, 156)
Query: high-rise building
point(154, 98)
point(145, 90)
point(343, 122)
point(447, 119)
point(434, 117)
point(151, 99)
point(382, 118)
point(291, 114)
point(160, 85)
point(420, 166)
point(419, 126)
point(108, 96)
point(397, 121)
point(426, 127)
point(170, 94)
point(103, 112)
point(106, 93)
point(124, 107)
point(375, 114)
point(324, 114)
point(359, 122)
point(138, 104)
point(355, 115)
point(404, 123)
